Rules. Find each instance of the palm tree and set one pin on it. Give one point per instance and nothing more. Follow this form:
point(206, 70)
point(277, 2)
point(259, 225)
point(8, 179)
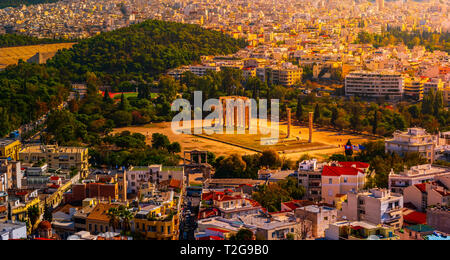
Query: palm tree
point(33, 214)
point(113, 214)
point(126, 216)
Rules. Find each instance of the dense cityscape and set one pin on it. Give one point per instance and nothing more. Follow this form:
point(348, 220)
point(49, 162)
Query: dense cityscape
point(357, 146)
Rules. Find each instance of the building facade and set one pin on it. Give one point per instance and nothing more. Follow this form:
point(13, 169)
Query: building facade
point(58, 157)
point(377, 206)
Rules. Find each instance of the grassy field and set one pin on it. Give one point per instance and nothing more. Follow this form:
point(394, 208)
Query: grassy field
point(260, 142)
point(11, 55)
point(325, 142)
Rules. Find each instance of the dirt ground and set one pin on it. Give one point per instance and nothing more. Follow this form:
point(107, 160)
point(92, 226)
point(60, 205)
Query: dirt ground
point(333, 139)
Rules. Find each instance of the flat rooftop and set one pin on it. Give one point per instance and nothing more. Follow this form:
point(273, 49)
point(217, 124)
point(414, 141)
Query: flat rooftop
point(53, 149)
point(6, 141)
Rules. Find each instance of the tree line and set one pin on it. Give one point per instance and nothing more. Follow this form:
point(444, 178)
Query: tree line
point(13, 40)
point(16, 3)
point(393, 35)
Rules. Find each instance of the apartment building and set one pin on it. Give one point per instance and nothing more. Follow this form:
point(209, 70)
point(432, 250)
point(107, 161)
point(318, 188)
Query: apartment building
point(446, 94)
point(418, 174)
point(9, 148)
point(98, 220)
point(13, 230)
point(264, 226)
point(359, 230)
point(233, 205)
point(155, 174)
point(413, 87)
point(309, 176)
point(320, 216)
point(439, 218)
point(286, 74)
point(202, 70)
point(58, 157)
point(342, 177)
point(377, 206)
point(374, 84)
point(411, 141)
point(427, 194)
point(158, 218)
point(81, 191)
point(434, 84)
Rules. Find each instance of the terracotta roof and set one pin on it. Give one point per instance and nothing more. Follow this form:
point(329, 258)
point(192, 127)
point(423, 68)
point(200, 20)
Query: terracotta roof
point(219, 230)
point(415, 217)
point(339, 171)
point(421, 187)
point(100, 212)
point(210, 238)
point(359, 165)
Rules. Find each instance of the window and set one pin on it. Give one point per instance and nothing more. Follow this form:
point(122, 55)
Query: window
point(345, 179)
point(330, 181)
point(325, 218)
point(162, 229)
point(330, 193)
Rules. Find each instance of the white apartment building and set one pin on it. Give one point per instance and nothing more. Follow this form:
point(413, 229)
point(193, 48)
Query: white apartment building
point(309, 175)
point(202, 70)
point(377, 206)
point(415, 175)
point(427, 194)
point(413, 140)
point(155, 174)
point(374, 84)
point(13, 230)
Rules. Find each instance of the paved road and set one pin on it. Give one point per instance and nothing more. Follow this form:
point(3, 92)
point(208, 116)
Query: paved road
point(188, 222)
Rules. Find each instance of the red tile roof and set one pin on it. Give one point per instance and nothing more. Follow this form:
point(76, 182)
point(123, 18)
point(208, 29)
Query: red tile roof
point(359, 165)
point(218, 230)
point(421, 187)
point(210, 238)
point(339, 171)
point(415, 218)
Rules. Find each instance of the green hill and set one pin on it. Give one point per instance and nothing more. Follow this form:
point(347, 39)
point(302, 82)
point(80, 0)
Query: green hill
point(16, 3)
point(141, 52)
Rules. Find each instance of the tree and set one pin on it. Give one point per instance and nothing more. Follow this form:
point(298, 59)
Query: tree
point(33, 214)
point(231, 167)
point(334, 115)
point(122, 118)
point(114, 220)
point(48, 213)
point(160, 141)
point(124, 104)
point(299, 112)
point(106, 97)
point(316, 112)
point(272, 195)
point(174, 147)
point(243, 234)
point(375, 122)
point(270, 158)
point(125, 216)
